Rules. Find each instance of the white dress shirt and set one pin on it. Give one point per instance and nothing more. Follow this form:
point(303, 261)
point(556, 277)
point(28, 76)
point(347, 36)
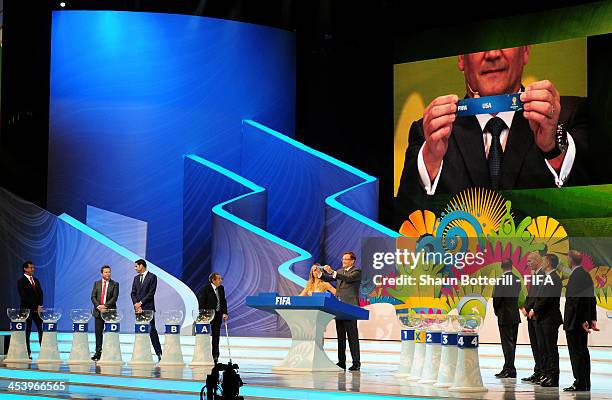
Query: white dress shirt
point(143, 276)
point(30, 279)
point(575, 268)
point(506, 116)
point(217, 295)
point(105, 292)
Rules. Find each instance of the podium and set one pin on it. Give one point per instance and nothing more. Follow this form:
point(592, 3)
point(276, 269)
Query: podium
point(49, 352)
point(18, 352)
point(307, 317)
point(79, 353)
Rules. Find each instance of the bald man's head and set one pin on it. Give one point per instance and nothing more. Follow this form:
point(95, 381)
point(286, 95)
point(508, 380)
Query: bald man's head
point(534, 260)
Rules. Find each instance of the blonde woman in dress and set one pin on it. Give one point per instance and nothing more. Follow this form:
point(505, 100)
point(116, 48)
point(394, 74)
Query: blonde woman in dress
point(316, 284)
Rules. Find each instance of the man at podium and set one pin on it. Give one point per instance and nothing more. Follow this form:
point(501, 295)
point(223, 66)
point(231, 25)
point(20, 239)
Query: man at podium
point(347, 291)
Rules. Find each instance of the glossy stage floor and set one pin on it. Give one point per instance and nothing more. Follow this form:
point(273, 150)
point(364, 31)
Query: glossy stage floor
point(257, 356)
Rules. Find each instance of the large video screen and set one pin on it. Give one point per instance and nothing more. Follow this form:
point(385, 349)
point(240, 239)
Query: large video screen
point(526, 117)
point(501, 150)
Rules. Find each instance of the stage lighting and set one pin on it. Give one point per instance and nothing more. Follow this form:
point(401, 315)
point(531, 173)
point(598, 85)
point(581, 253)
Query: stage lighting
point(62, 4)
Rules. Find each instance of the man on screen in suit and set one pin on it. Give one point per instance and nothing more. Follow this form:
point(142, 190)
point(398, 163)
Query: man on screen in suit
point(505, 305)
point(212, 297)
point(510, 150)
point(347, 291)
point(547, 315)
point(534, 262)
point(31, 298)
point(579, 319)
point(104, 295)
point(143, 297)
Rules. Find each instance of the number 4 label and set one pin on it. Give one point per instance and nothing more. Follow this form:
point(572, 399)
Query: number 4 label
point(467, 342)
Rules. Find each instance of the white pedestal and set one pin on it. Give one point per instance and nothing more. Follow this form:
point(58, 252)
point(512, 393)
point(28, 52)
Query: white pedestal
point(202, 353)
point(406, 355)
point(306, 352)
point(111, 350)
point(417, 361)
point(79, 368)
point(448, 366)
point(467, 375)
point(48, 349)
point(50, 366)
point(18, 352)
point(141, 355)
point(171, 371)
point(79, 353)
point(431, 367)
point(172, 354)
point(110, 369)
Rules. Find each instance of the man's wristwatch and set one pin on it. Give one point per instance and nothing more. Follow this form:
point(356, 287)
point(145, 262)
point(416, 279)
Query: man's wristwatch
point(561, 143)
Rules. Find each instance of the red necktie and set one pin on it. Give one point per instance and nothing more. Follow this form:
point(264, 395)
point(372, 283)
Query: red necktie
point(32, 282)
point(103, 293)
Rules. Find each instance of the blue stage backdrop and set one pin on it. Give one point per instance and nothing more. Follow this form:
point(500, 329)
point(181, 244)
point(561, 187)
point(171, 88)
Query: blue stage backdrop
point(131, 93)
point(171, 140)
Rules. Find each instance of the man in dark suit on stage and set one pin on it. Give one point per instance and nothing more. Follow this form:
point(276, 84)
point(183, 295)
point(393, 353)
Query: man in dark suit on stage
point(143, 297)
point(212, 297)
point(534, 262)
point(347, 291)
point(543, 145)
point(579, 319)
point(31, 298)
point(104, 295)
point(547, 315)
point(505, 305)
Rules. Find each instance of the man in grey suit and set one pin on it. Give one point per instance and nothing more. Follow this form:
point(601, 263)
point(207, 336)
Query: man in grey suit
point(103, 296)
point(347, 291)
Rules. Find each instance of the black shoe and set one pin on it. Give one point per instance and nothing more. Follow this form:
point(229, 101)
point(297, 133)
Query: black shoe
point(550, 382)
point(530, 378)
point(500, 373)
point(355, 367)
point(341, 365)
point(507, 374)
point(96, 357)
point(538, 379)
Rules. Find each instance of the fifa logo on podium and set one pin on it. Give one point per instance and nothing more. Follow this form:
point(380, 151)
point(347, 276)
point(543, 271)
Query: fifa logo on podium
point(283, 301)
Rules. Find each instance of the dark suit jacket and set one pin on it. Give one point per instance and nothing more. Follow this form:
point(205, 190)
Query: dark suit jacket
point(580, 303)
point(347, 289)
point(30, 297)
point(208, 300)
point(145, 292)
point(547, 306)
point(112, 294)
point(465, 163)
point(532, 291)
point(505, 301)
